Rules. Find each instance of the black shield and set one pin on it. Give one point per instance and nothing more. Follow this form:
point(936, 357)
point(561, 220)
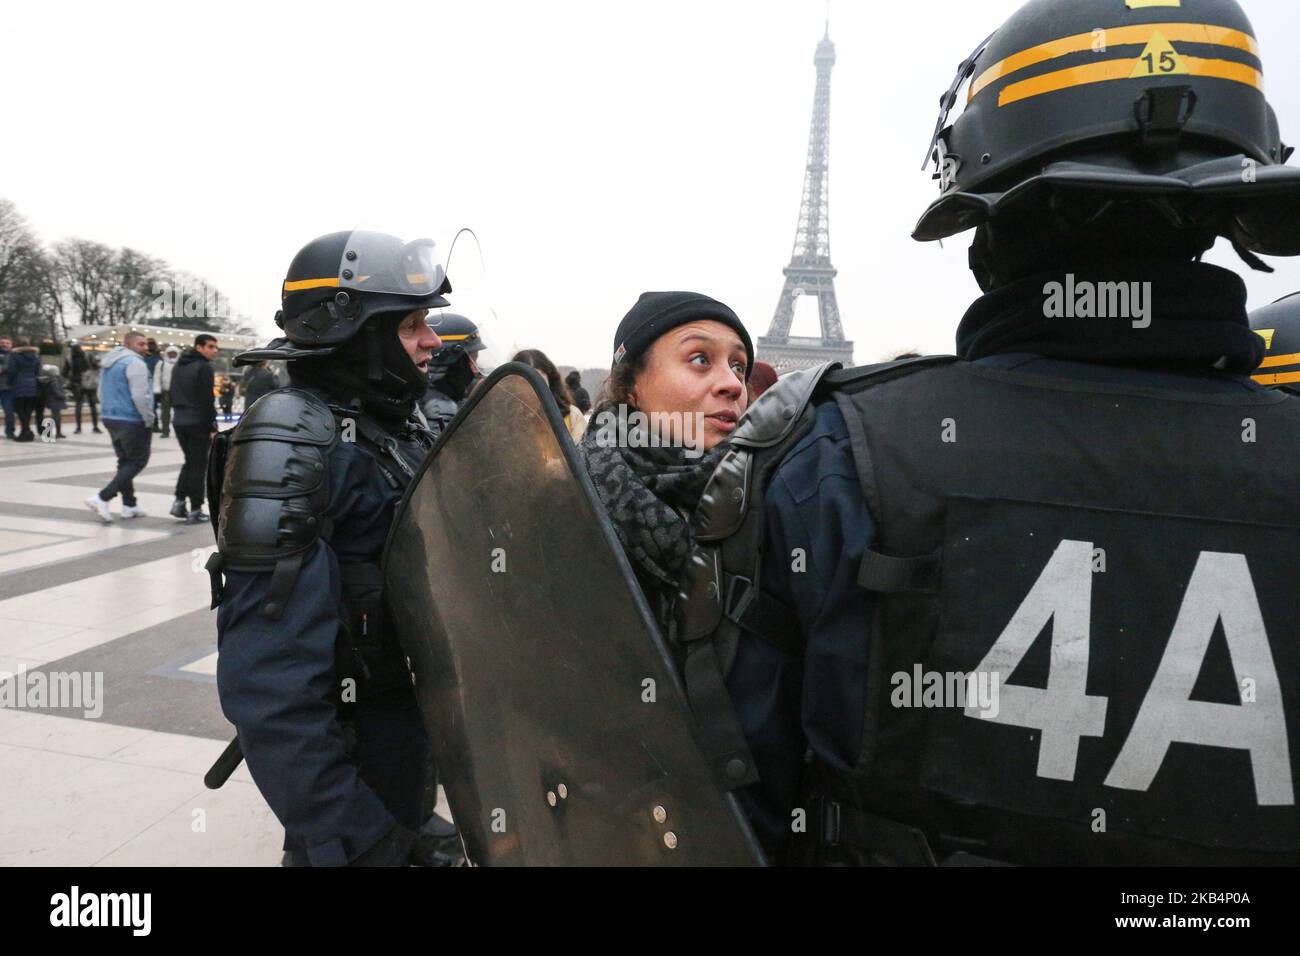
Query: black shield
point(560, 725)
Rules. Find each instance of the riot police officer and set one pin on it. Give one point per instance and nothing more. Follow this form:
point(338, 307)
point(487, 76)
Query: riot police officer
point(308, 672)
point(1032, 603)
point(453, 369)
point(1279, 326)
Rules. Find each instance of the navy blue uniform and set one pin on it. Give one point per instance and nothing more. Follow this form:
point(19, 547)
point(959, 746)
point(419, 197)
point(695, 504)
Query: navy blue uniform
point(788, 704)
point(279, 687)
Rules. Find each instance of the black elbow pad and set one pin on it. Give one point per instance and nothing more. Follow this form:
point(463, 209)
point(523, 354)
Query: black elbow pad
point(276, 483)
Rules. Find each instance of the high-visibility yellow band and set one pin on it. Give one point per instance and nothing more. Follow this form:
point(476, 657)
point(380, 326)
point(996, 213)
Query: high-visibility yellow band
point(1123, 70)
point(300, 284)
point(1115, 36)
point(1278, 378)
point(451, 338)
point(1274, 361)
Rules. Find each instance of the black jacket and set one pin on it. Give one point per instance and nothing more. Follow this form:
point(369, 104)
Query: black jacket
point(192, 400)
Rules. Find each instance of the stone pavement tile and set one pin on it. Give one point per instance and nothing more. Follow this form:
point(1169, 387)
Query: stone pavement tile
point(94, 636)
point(13, 663)
point(88, 637)
point(17, 636)
point(171, 752)
point(83, 818)
point(86, 738)
point(234, 827)
point(28, 774)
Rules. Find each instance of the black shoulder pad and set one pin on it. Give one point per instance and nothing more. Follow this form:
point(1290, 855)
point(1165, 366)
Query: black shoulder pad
point(288, 415)
point(276, 484)
point(777, 411)
point(853, 379)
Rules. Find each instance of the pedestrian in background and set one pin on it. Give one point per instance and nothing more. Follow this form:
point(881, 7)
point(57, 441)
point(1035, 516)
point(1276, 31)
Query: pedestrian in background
point(127, 401)
point(23, 367)
point(6, 388)
point(86, 388)
point(761, 379)
point(152, 359)
point(163, 385)
point(194, 414)
point(227, 397)
point(581, 397)
point(257, 381)
point(53, 396)
point(574, 420)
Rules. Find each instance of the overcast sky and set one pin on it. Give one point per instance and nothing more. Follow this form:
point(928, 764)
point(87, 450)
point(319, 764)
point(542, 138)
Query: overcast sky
point(597, 149)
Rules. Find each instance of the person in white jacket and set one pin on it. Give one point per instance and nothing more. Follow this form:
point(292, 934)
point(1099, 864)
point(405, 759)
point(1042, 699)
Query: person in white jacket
point(162, 384)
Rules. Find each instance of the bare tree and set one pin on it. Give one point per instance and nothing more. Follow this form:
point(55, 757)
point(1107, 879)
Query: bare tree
point(187, 301)
point(85, 271)
point(15, 235)
point(129, 296)
point(29, 298)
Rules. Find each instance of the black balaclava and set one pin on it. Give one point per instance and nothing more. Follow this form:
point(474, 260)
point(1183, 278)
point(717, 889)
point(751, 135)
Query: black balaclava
point(1197, 316)
point(372, 368)
point(1002, 254)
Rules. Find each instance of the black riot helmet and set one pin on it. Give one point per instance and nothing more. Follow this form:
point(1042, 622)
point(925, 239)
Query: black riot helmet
point(451, 369)
point(337, 282)
point(1078, 104)
point(1279, 326)
point(459, 337)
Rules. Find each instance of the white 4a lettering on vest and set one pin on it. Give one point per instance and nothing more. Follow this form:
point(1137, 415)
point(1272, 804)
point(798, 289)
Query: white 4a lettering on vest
point(1221, 590)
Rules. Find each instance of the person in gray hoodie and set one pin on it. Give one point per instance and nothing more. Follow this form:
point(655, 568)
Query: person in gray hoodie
point(126, 406)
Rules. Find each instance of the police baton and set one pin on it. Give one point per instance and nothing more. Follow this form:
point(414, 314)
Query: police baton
point(224, 766)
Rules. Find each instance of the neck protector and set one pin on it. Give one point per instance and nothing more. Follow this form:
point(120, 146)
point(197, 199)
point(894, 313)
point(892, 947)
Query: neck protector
point(1192, 316)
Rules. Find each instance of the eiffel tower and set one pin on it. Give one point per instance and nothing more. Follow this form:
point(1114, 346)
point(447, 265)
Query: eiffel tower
point(810, 271)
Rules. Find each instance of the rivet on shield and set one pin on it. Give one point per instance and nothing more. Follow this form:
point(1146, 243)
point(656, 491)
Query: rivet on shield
point(563, 791)
point(670, 840)
point(737, 494)
point(660, 814)
point(551, 798)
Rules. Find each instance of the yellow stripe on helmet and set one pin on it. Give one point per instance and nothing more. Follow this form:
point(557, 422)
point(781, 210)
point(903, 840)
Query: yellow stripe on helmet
point(1277, 378)
point(1123, 69)
point(299, 285)
point(1114, 36)
point(1275, 360)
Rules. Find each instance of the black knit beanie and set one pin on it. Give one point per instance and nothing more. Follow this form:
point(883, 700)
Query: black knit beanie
point(657, 312)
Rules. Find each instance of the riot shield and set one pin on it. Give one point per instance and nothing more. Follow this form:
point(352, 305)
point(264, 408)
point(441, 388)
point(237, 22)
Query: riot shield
point(560, 726)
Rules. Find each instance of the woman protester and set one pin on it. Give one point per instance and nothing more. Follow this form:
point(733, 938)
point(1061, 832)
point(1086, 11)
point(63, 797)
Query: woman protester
point(574, 420)
point(676, 391)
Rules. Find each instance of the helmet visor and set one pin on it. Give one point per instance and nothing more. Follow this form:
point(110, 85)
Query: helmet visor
point(380, 263)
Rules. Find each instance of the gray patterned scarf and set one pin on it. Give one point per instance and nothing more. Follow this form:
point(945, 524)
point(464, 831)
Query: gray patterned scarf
point(649, 495)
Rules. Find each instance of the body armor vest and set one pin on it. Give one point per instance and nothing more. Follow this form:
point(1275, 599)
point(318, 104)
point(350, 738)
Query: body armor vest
point(1084, 647)
point(270, 474)
point(1085, 641)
